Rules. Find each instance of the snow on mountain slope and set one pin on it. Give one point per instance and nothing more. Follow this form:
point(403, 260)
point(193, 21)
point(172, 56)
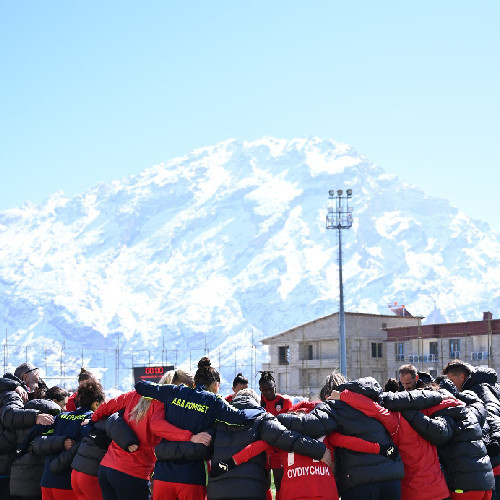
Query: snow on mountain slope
point(231, 239)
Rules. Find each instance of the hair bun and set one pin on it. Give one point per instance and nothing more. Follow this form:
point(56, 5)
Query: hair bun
point(239, 375)
point(204, 363)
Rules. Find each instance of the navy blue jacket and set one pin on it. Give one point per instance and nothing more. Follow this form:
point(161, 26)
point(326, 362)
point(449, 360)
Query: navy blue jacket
point(57, 471)
point(195, 410)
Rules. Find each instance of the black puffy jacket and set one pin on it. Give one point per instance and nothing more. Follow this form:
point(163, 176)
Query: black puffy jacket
point(248, 480)
point(13, 416)
point(352, 469)
point(456, 432)
point(410, 400)
point(27, 469)
point(95, 442)
point(483, 382)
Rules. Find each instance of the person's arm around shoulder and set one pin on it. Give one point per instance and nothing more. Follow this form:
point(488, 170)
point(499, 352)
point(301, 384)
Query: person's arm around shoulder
point(317, 423)
point(277, 435)
point(369, 407)
point(437, 430)
point(151, 390)
point(224, 412)
point(112, 406)
point(15, 416)
point(164, 429)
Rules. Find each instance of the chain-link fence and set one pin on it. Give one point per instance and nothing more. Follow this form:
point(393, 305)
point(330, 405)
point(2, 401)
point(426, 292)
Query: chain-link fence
point(60, 365)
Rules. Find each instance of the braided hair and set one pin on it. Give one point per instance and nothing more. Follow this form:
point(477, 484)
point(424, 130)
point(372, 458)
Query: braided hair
point(266, 376)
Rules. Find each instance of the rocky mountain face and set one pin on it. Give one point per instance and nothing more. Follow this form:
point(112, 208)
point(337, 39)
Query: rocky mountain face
point(210, 252)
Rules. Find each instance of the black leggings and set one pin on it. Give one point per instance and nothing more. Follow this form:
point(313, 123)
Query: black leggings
point(116, 485)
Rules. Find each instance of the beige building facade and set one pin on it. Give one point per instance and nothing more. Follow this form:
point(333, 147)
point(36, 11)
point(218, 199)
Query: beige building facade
point(302, 357)
point(430, 347)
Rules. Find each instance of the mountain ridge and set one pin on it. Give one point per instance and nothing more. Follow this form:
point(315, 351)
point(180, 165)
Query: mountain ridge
point(230, 239)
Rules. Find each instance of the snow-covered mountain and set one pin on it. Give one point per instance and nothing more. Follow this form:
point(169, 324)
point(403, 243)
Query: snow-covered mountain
point(228, 245)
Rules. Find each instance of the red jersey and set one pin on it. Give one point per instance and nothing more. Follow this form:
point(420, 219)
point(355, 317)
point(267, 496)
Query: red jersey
point(303, 476)
point(149, 430)
point(280, 404)
point(71, 404)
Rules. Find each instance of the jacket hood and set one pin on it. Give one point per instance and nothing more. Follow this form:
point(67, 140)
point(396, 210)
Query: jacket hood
point(481, 375)
point(44, 406)
point(448, 385)
point(366, 386)
point(244, 402)
point(12, 377)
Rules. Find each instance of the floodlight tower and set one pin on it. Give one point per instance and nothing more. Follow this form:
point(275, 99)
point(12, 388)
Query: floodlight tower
point(339, 216)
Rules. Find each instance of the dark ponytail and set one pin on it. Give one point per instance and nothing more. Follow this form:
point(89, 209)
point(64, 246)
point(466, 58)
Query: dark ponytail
point(206, 375)
point(240, 379)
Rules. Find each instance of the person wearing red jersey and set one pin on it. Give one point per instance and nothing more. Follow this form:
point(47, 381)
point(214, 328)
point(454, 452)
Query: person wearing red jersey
point(240, 382)
point(125, 474)
point(305, 478)
point(274, 404)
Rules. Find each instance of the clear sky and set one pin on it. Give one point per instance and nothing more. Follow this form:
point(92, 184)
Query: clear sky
point(93, 91)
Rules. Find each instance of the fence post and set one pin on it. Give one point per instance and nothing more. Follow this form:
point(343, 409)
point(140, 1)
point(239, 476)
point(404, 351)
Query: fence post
point(61, 374)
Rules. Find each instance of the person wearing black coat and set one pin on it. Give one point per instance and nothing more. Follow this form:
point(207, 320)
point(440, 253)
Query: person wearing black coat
point(456, 431)
point(483, 382)
point(61, 443)
point(27, 468)
point(91, 451)
point(249, 480)
point(14, 416)
point(358, 475)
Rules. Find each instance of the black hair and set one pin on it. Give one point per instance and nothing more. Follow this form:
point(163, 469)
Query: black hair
point(206, 374)
point(266, 377)
point(455, 367)
point(392, 385)
point(90, 392)
point(57, 393)
point(85, 375)
point(239, 379)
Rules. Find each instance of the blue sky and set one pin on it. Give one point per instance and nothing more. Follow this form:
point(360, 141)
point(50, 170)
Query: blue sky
point(94, 91)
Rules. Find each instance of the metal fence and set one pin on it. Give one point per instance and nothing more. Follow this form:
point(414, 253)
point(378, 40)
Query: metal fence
point(60, 365)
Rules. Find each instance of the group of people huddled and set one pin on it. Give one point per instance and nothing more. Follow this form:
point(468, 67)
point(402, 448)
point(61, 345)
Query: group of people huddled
point(420, 439)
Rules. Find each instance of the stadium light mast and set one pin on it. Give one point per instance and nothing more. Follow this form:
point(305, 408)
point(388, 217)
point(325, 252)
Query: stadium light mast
point(339, 216)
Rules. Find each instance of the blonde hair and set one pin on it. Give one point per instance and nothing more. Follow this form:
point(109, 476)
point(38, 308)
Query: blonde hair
point(175, 377)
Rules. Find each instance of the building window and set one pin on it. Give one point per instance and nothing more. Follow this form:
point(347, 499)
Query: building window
point(376, 350)
point(310, 352)
point(400, 351)
point(455, 349)
point(284, 355)
point(433, 351)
